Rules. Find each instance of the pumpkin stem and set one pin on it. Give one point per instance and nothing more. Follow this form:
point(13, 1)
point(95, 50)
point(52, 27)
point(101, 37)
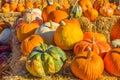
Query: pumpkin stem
point(50, 2)
point(62, 23)
point(94, 29)
point(88, 53)
point(51, 25)
point(93, 40)
point(70, 17)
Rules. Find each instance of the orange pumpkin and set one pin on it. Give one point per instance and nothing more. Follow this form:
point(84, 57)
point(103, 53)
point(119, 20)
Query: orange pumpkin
point(115, 31)
point(87, 65)
point(26, 29)
point(29, 43)
point(28, 5)
point(91, 14)
point(97, 36)
point(99, 47)
point(49, 8)
point(85, 4)
point(36, 4)
point(13, 7)
point(112, 62)
point(20, 7)
point(57, 15)
point(67, 34)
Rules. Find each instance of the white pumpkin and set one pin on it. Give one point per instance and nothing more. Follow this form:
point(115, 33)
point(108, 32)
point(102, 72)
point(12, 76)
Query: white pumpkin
point(5, 36)
point(46, 31)
point(33, 14)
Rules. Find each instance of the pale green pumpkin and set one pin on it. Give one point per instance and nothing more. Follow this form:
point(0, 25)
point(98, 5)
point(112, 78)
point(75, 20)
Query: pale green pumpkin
point(45, 60)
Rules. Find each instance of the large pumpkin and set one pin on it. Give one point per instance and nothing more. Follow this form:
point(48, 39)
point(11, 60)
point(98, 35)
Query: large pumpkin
point(67, 34)
point(45, 60)
point(99, 47)
point(46, 31)
point(29, 43)
point(115, 31)
point(87, 65)
point(26, 29)
point(112, 62)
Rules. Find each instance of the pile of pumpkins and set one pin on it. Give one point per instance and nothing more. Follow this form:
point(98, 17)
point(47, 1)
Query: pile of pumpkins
point(45, 35)
point(5, 46)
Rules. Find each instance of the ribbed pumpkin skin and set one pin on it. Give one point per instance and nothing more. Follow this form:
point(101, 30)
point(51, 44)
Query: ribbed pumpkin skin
point(100, 47)
point(67, 35)
point(26, 30)
point(115, 31)
point(112, 62)
point(45, 60)
point(87, 69)
point(29, 43)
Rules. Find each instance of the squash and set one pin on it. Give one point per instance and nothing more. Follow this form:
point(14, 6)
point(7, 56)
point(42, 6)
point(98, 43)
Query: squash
point(67, 34)
point(5, 36)
point(99, 47)
point(28, 5)
point(46, 31)
point(87, 65)
point(20, 7)
point(29, 43)
point(13, 6)
point(45, 60)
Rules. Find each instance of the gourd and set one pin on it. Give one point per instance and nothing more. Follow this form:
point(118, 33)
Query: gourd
point(46, 31)
point(45, 60)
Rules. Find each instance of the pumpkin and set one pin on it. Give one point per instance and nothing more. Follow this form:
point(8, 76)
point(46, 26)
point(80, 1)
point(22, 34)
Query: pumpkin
point(106, 10)
point(87, 65)
point(29, 43)
point(49, 8)
point(91, 14)
point(115, 31)
point(67, 34)
point(5, 36)
point(26, 29)
point(45, 60)
point(112, 62)
point(76, 10)
point(13, 6)
point(46, 31)
point(99, 47)
point(28, 5)
point(57, 15)
point(5, 9)
point(97, 36)
point(20, 7)
point(35, 14)
point(36, 4)
point(85, 4)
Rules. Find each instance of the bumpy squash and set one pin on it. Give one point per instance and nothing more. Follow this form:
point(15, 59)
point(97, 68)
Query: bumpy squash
point(46, 31)
point(29, 43)
point(44, 60)
point(87, 65)
point(5, 36)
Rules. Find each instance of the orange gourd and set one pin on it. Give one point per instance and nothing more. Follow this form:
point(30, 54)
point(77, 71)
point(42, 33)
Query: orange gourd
point(87, 65)
point(20, 7)
point(28, 5)
point(29, 43)
point(13, 7)
point(99, 47)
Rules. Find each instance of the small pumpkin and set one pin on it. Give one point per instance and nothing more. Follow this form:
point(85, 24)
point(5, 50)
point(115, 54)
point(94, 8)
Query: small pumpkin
point(99, 47)
point(26, 29)
point(87, 65)
point(20, 7)
point(5, 36)
point(46, 31)
point(29, 43)
point(36, 4)
point(57, 15)
point(91, 14)
point(45, 60)
point(85, 4)
point(112, 62)
point(5, 9)
point(13, 6)
point(28, 5)
point(67, 34)
point(115, 31)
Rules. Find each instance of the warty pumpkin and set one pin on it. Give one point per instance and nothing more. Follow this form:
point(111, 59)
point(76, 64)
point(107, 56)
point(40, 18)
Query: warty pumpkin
point(112, 62)
point(45, 60)
point(29, 43)
point(99, 47)
point(46, 31)
point(67, 34)
point(26, 29)
point(87, 65)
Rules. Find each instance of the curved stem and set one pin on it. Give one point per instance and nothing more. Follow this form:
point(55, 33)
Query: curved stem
point(51, 25)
